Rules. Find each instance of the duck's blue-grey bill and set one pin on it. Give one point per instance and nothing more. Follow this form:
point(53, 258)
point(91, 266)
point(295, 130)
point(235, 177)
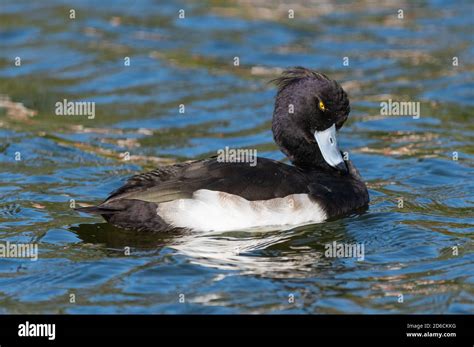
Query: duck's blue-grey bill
point(327, 142)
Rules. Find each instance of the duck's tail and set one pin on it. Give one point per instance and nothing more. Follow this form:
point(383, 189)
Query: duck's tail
point(130, 214)
point(98, 210)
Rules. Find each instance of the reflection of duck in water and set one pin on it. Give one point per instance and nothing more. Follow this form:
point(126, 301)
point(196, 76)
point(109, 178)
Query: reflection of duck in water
point(287, 252)
point(214, 195)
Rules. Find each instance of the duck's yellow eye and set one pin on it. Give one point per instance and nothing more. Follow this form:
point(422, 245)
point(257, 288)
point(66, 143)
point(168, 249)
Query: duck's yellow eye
point(321, 106)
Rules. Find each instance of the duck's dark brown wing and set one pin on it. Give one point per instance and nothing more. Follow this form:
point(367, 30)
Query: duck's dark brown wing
point(266, 180)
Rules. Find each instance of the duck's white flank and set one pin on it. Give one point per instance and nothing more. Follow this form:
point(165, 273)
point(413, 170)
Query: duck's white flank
point(210, 210)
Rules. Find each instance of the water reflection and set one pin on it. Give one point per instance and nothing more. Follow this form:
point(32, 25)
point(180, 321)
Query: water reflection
point(286, 253)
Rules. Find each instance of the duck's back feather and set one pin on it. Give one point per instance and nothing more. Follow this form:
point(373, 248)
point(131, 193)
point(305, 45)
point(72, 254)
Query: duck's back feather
point(268, 179)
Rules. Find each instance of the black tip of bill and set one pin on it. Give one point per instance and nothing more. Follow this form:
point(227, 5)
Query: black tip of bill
point(342, 167)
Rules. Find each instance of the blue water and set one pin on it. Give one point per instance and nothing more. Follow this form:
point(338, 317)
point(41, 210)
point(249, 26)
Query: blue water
point(409, 250)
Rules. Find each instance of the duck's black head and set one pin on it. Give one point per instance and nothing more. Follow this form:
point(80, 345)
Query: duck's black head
point(309, 108)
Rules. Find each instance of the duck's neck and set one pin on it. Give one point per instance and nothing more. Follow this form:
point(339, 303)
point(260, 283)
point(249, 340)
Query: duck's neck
point(301, 149)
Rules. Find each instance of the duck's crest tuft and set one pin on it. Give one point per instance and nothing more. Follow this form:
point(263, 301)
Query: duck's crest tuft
point(295, 74)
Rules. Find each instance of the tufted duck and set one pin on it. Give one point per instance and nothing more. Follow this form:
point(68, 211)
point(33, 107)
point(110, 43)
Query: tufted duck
point(214, 195)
